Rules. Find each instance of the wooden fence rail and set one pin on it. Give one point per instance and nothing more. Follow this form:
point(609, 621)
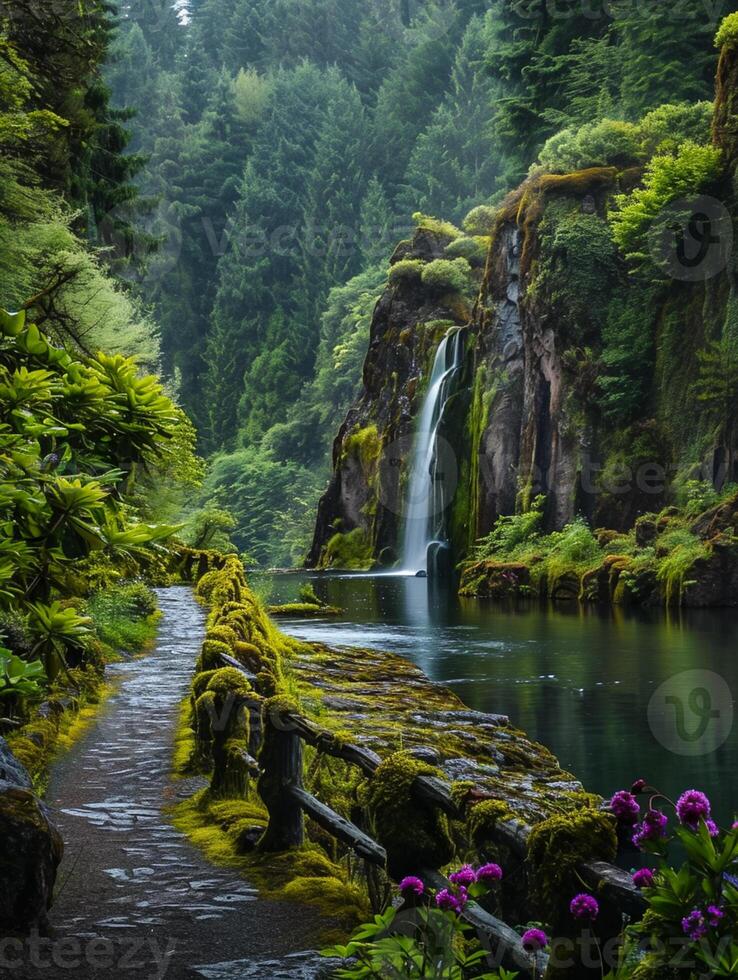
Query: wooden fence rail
point(280, 784)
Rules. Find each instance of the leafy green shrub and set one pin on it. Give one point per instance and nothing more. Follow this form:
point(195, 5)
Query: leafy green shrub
point(664, 129)
point(480, 220)
point(598, 144)
point(474, 250)
point(55, 630)
point(699, 496)
point(20, 679)
point(667, 178)
point(447, 275)
point(308, 595)
point(406, 270)
point(727, 33)
point(121, 615)
point(427, 222)
point(511, 531)
point(350, 550)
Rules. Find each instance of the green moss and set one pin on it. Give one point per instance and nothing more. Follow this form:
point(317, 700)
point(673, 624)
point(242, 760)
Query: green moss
point(226, 634)
point(350, 550)
point(474, 250)
point(447, 275)
point(556, 848)
point(414, 834)
point(365, 444)
point(304, 609)
point(428, 223)
point(673, 570)
point(305, 875)
point(42, 740)
point(210, 656)
point(183, 756)
point(406, 270)
point(227, 681)
point(483, 819)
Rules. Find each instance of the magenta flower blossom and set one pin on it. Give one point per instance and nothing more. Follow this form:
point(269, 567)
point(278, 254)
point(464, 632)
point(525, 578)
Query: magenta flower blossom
point(694, 925)
point(489, 873)
point(625, 807)
point(712, 828)
point(534, 940)
point(446, 900)
point(652, 828)
point(638, 786)
point(692, 807)
point(714, 915)
point(411, 884)
point(584, 907)
point(466, 876)
point(643, 878)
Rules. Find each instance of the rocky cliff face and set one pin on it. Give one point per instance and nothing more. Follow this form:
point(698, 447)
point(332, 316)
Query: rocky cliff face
point(605, 423)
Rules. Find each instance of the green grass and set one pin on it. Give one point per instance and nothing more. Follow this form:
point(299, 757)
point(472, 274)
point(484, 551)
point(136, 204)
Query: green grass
point(124, 616)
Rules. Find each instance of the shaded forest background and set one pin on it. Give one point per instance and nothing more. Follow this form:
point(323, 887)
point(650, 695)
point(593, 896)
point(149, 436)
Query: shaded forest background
point(249, 165)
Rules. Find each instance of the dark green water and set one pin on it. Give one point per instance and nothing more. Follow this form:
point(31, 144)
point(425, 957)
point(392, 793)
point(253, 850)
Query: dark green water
point(586, 682)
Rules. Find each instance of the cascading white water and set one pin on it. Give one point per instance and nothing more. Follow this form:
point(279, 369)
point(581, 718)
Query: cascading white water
point(425, 498)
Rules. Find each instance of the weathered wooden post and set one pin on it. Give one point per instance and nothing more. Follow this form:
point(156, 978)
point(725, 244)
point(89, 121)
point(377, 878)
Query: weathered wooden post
point(281, 763)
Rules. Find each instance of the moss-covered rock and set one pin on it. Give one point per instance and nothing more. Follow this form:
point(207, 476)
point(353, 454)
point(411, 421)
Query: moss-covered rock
point(415, 835)
point(31, 850)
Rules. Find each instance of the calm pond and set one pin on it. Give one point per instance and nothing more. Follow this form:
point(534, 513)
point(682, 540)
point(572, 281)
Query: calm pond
point(615, 694)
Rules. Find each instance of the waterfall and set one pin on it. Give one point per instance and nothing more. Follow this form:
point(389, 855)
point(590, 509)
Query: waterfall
point(426, 501)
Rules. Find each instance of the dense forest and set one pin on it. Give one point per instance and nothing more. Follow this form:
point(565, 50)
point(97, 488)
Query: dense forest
point(287, 146)
point(439, 291)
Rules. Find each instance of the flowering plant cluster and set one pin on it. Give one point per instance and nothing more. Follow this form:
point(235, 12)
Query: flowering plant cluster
point(693, 906)
point(422, 938)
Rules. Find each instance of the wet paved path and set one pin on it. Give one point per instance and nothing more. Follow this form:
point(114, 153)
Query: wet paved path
point(135, 899)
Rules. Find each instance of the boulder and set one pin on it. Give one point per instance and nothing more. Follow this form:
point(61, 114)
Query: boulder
point(31, 850)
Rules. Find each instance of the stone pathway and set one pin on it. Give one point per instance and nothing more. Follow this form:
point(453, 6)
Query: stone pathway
point(135, 899)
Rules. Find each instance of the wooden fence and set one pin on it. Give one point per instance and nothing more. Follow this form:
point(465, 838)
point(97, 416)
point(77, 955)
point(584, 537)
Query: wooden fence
point(280, 782)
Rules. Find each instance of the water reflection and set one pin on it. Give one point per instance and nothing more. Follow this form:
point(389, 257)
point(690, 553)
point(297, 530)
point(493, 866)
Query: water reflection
point(578, 678)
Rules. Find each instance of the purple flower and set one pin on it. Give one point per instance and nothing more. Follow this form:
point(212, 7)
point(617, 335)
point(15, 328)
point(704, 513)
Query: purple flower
point(638, 786)
point(464, 876)
point(462, 898)
point(489, 872)
point(534, 940)
point(652, 828)
point(712, 828)
point(694, 925)
point(643, 878)
point(412, 884)
point(692, 807)
point(625, 807)
point(447, 901)
point(714, 915)
point(584, 907)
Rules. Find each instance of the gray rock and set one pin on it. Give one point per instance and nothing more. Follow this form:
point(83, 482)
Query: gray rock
point(31, 850)
point(11, 771)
